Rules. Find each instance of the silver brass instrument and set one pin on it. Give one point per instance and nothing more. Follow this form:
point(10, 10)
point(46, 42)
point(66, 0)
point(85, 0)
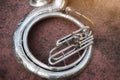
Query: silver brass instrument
point(78, 42)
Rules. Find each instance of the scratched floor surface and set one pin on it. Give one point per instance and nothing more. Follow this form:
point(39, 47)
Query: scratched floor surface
point(105, 62)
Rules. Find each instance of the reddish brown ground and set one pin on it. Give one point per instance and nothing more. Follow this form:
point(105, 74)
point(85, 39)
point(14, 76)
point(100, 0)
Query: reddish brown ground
point(105, 62)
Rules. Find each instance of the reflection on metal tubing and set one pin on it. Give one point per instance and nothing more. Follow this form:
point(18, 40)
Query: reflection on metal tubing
point(85, 42)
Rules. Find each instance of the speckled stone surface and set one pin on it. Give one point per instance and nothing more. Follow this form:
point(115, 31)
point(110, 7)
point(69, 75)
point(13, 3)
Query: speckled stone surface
point(105, 62)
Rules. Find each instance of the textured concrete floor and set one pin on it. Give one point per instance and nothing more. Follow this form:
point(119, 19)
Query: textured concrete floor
point(105, 62)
